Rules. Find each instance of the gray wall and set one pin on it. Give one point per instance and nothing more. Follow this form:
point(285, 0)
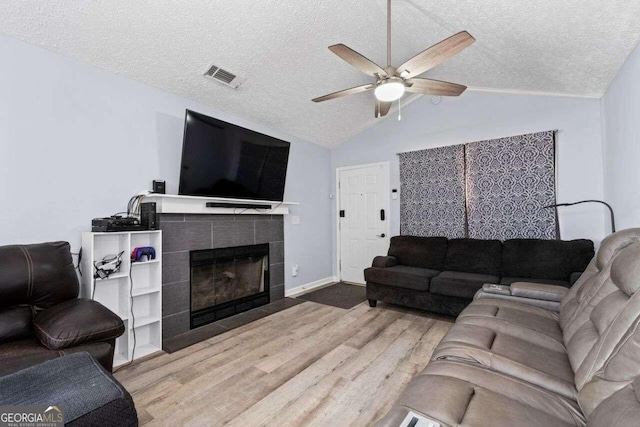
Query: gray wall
point(621, 123)
point(76, 142)
point(478, 116)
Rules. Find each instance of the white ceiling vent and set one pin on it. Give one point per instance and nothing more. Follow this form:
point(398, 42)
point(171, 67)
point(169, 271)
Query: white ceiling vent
point(223, 76)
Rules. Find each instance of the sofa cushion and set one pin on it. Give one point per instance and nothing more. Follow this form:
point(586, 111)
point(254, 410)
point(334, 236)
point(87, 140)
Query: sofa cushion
point(461, 394)
point(462, 285)
point(401, 276)
point(510, 280)
point(545, 259)
point(76, 322)
point(538, 324)
point(42, 275)
point(512, 353)
point(474, 256)
point(15, 323)
point(620, 409)
point(422, 252)
point(581, 252)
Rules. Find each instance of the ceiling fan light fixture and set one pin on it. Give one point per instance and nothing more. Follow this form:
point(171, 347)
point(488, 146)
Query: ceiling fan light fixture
point(389, 91)
point(392, 82)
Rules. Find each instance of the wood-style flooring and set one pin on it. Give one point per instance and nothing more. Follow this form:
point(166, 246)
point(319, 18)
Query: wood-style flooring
point(308, 365)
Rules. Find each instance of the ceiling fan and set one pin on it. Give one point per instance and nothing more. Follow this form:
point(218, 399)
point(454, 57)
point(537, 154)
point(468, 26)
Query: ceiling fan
point(392, 82)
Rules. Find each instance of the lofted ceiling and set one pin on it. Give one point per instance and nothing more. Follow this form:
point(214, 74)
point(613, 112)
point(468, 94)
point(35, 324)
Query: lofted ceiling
point(573, 47)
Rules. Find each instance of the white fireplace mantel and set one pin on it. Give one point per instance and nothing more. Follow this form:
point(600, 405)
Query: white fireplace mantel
point(172, 203)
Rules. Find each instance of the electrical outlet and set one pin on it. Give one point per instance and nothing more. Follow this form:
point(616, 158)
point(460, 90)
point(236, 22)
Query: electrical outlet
point(294, 270)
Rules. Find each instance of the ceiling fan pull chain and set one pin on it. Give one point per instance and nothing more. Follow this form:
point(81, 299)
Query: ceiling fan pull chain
point(399, 109)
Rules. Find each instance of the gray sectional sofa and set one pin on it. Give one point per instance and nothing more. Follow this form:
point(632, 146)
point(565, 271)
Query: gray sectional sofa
point(442, 275)
point(507, 363)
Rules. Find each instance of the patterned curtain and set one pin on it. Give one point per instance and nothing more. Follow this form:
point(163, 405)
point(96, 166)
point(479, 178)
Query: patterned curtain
point(432, 192)
point(509, 180)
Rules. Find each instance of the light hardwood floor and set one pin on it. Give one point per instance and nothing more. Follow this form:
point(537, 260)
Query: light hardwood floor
point(309, 365)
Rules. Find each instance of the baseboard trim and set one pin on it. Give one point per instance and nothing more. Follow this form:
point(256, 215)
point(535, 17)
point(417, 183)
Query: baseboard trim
point(308, 287)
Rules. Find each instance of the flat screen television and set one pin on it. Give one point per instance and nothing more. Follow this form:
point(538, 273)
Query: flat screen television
point(224, 160)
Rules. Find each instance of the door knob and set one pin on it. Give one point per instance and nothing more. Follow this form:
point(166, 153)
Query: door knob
point(381, 235)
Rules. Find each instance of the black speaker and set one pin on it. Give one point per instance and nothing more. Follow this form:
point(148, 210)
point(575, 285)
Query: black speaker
point(148, 216)
point(159, 187)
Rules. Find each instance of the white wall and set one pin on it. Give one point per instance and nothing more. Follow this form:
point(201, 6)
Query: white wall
point(621, 124)
point(477, 116)
point(76, 142)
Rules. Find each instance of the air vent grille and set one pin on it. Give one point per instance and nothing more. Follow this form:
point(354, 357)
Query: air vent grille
point(223, 76)
point(211, 71)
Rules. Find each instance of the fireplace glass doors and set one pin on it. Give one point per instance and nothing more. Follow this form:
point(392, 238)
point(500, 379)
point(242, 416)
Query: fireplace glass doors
point(228, 281)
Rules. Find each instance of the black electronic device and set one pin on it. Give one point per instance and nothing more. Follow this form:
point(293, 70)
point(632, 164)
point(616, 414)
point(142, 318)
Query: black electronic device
point(148, 217)
point(159, 187)
point(107, 266)
point(220, 159)
point(116, 223)
point(238, 205)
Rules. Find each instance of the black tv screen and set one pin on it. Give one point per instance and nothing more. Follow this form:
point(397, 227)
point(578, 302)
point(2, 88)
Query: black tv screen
point(224, 160)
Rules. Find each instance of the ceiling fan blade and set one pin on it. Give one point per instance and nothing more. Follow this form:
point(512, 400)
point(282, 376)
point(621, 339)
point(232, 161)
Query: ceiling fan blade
point(344, 92)
point(436, 54)
point(360, 62)
point(433, 87)
point(382, 108)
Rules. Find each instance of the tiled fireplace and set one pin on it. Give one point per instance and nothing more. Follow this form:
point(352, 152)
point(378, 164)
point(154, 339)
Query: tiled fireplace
point(237, 286)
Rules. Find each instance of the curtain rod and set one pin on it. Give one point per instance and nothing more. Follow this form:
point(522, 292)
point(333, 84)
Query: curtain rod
point(473, 142)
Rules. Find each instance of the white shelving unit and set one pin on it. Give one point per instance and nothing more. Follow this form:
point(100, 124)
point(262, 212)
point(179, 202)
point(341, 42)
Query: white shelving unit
point(134, 293)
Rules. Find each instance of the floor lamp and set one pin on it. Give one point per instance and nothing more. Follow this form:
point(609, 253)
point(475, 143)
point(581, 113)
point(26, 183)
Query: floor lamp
point(613, 220)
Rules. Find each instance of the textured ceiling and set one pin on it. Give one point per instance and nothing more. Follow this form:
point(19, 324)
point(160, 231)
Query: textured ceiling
point(570, 47)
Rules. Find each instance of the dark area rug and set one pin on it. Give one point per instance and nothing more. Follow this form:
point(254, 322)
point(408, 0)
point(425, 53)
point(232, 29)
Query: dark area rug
point(341, 295)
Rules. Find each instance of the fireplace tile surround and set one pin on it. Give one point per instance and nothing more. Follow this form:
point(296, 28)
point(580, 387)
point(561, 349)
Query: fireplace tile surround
point(182, 233)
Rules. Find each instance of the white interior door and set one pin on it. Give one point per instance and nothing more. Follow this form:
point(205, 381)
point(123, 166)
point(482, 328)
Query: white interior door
point(363, 218)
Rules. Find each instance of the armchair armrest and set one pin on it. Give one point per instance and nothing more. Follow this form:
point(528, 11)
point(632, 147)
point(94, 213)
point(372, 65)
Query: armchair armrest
point(384, 261)
point(539, 291)
point(75, 322)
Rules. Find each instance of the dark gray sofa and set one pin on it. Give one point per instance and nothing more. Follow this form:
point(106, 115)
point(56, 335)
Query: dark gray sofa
point(443, 275)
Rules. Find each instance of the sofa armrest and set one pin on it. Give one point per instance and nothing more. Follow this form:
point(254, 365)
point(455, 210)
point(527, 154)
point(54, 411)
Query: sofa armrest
point(384, 261)
point(538, 291)
point(574, 277)
point(75, 322)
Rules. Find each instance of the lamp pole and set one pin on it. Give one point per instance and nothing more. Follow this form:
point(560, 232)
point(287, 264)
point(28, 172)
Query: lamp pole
point(613, 220)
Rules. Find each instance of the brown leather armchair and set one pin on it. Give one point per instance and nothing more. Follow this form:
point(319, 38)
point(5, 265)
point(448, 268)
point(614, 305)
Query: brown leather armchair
point(41, 316)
